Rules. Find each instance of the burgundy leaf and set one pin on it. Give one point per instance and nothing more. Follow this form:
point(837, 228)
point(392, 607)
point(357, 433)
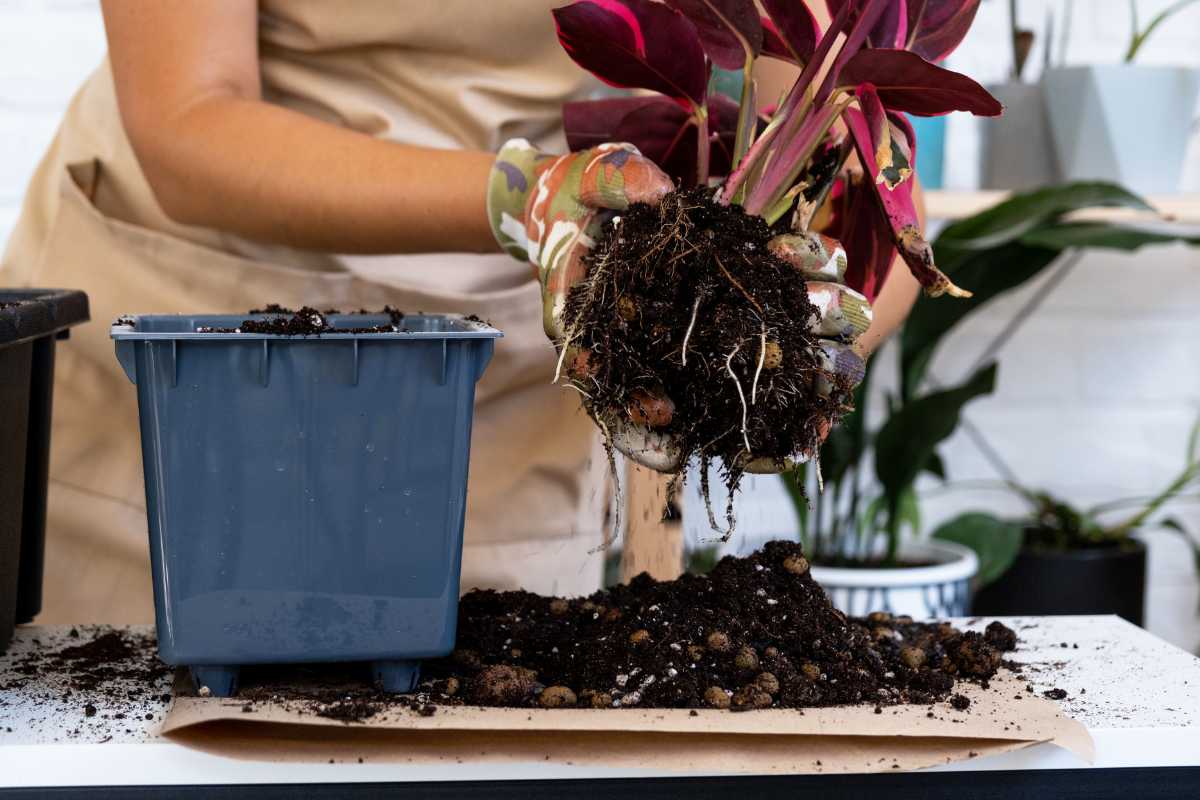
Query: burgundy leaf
point(907, 82)
point(891, 29)
point(635, 44)
point(790, 30)
point(661, 129)
point(900, 212)
point(588, 123)
point(936, 27)
point(864, 233)
point(727, 28)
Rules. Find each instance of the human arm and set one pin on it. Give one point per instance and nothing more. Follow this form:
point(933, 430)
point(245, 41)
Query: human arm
point(217, 155)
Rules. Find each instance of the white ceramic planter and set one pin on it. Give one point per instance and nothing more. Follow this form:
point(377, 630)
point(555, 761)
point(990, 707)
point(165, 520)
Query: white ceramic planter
point(1125, 123)
point(1018, 153)
point(940, 590)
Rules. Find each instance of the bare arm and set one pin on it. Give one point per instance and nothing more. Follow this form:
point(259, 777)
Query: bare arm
point(217, 155)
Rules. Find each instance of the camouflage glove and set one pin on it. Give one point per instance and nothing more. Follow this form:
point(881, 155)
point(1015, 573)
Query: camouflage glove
point(549, 210)
point(843, 316)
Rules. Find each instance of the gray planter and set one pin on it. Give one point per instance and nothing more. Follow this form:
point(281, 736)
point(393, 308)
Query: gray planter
point(1123, 123)
point(1018, 152)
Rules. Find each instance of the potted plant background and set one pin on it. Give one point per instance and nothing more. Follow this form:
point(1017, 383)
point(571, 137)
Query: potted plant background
point(862, 530)
point(1017, 150)
point(1125, 122)
point(1061, 559)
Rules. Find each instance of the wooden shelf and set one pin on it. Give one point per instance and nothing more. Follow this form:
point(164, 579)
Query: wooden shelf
point(947, 204)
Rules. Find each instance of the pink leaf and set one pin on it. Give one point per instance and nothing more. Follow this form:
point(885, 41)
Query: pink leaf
point(900, 212)
point(937, 27)
point(907, 82)
point(635, 44)
point(891, 29)
point(892, 138)
point(662, 130)
point(790, 30)
point(729, 29)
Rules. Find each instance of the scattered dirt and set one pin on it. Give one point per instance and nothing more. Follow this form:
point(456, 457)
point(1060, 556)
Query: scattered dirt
point(102, 675)
point(742, 376)
point(307, 321)
point(1055, 694)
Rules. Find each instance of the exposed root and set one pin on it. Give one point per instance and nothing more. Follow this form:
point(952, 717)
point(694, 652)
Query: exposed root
point(741, 394)
point(614, 530)
point(562, 356)
point(739, 286)
point(762, 358)
point(691, 326)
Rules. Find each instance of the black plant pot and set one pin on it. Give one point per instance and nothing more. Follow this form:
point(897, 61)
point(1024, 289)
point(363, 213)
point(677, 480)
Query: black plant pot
point(1096, 580)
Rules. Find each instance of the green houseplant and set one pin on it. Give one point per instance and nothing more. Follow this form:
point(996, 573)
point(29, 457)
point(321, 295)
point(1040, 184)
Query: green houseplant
point(868, 514)
point(1058, 558)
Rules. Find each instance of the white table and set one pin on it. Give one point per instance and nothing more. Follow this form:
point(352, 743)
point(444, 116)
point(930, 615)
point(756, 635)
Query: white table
point(1141, 706)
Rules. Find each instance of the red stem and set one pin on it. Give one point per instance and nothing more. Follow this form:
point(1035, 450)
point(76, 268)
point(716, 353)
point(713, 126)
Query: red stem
point(759, 149)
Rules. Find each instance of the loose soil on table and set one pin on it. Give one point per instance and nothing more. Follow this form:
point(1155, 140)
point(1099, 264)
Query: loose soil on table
point(684, 300)
point(102, 676)
point(308, 322)
point(756, 632)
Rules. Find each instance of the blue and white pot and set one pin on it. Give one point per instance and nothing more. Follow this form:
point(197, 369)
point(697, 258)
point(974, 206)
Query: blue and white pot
point(939, 590)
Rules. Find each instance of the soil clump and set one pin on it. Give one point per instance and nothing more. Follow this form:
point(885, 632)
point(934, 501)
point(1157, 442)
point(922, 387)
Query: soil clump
point(684, 300)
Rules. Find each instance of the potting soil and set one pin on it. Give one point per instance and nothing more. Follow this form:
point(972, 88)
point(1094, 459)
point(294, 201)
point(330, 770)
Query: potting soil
point(684, 299)
point(308, 322)
point(756, 632)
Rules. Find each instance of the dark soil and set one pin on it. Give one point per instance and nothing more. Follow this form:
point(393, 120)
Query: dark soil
point(307, 322)
point(756, 632)
point(647, 273)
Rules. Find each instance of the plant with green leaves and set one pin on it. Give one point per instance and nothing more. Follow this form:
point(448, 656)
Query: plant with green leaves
point(1138, 35)
point(864, 499)
point(1051, 523)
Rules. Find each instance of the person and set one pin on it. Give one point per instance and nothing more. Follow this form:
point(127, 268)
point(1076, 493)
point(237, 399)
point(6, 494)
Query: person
point(228, 155)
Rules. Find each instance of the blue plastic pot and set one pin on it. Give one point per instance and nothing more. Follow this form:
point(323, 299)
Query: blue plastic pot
point(305, 495)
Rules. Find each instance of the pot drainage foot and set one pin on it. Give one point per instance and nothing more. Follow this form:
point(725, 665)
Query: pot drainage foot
point(221, 681)
point(396, 676)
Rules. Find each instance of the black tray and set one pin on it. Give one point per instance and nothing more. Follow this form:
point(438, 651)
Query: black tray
point(30, 322)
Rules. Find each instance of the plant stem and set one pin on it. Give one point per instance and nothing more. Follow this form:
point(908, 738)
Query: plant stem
point(1139, 38)
point(1012, 28)
point(893, 531)
point(785, 113)
point(703, 147)
point(746, 112)
point(793, 154)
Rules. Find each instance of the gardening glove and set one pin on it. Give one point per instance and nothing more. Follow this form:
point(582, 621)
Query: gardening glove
point(842, 316)
point(549, 210)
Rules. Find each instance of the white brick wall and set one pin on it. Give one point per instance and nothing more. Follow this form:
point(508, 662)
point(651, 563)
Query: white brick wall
point(1095, 394)
point(49, 47)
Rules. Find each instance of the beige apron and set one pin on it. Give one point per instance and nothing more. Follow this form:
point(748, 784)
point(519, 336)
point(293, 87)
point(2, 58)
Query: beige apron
point(452, 74)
